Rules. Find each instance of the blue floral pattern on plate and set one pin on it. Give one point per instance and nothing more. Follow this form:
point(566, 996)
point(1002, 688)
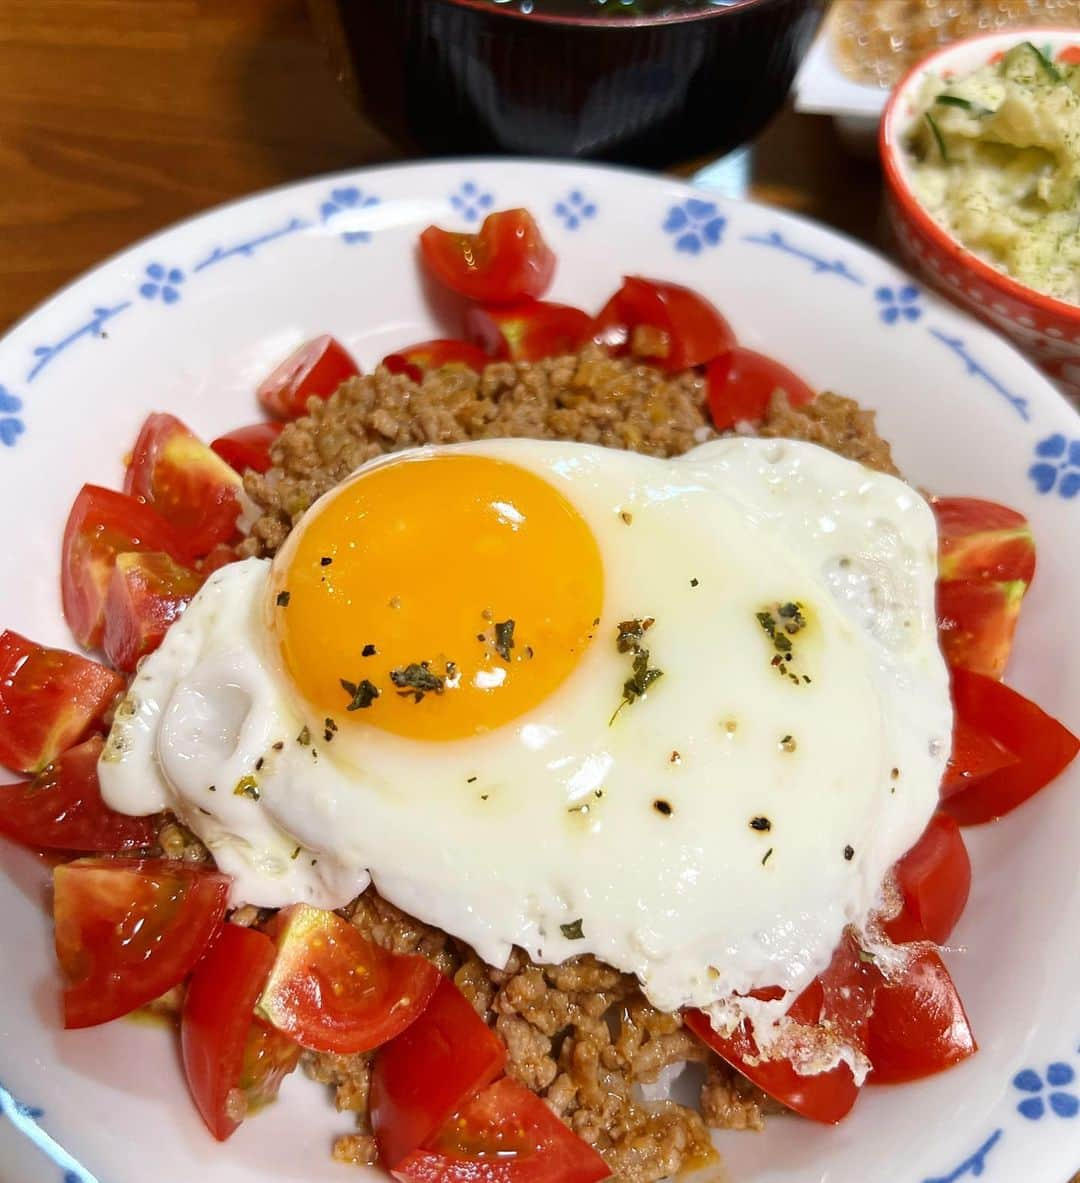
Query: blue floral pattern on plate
point(695, 224)
point(898, 304)
point(471, 201)
point(1057, 466)
point(574, 210)
point(1060, 1099)
point(162, 281)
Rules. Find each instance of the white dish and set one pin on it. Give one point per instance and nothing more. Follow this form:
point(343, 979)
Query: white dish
point(190, 320)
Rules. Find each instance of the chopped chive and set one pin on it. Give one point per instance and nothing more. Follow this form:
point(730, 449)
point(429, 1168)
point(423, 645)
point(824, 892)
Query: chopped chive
point(937, 136)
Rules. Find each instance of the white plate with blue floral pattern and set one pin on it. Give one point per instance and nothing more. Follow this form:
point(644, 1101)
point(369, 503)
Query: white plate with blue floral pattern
point(191, 319)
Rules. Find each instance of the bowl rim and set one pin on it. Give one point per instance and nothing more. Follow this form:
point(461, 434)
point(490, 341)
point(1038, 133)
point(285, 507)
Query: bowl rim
point(659, 20)
point(897, 184)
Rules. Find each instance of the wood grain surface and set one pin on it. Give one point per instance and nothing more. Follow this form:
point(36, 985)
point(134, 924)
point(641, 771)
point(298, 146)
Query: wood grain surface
point(119, 117)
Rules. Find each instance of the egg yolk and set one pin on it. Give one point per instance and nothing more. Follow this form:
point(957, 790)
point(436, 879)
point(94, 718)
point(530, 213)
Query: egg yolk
point(437, 597)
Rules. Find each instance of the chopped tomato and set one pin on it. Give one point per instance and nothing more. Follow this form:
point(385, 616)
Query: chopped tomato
point(62, 809)
point(741, 384)
point(983, 540)
point(976, 622)
point(505, 1135)
point(975, 754)
point(186, 482)
point(664, 323)
point(146, 594)
point(825, 1097)
point(333, 990)
point(934, 879)
point(233, 1061)
point(1070, 55)
point(1042, 746)
point(248, 447)
point(101, 525)
point(528, 331)
point(315, 370)
point(49, 700)
point(417, 360)
point(220, 556)
point(507, 261)
point(429, 1072)
point(127, 930)
point(918, 1027)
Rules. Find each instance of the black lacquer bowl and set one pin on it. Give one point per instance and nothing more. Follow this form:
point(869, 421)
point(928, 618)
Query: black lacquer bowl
point(470, 76)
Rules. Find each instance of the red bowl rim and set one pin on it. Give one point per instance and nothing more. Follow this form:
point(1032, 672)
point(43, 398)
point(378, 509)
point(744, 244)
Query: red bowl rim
point(917, 213)
point(607, 22)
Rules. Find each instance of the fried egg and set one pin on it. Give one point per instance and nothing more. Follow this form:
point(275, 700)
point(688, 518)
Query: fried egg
point(680, 714)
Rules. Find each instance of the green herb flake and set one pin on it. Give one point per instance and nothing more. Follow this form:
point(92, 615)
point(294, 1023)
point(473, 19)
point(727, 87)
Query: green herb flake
point(766, 856)
point(283, 599)
point(416, 679)
point(939, 138)
point(628, 640)
point(304, 738)
point(867, 958)
point(295, 854)
point(1048, 67)
point(572, 931)
point(361, 694)
point(504, 638)
point(247, 786)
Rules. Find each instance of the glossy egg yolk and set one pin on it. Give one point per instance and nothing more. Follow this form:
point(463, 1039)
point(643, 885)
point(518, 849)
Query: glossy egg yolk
point(436, 597)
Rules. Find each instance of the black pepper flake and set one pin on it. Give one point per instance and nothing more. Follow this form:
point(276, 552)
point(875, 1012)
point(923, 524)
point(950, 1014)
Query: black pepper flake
point(314, 861)
point(471, 780)
point(362, 693)
point(766, 856)
point(895, 774)
point(675, 758)
point(761, 824)
point(693, 583)
point(481, 638)
point(416, 680)
point(329, 729)
point(627, 517)
point(484, 796)
point(572, 931)
point(325, 561)
point(663, 807)
point(788, 744)
point(259, 763)
point(279, 745)
point(295, 854)
point(504, 638)
point(283, 599)
point(368, 651)
point(849, 853)
point(530, 652)
point(212, 789)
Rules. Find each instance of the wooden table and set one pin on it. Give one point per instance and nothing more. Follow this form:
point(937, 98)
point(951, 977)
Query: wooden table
point(118, 117)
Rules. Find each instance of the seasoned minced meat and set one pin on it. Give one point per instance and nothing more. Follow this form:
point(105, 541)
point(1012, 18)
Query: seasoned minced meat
point(581, 1035)
point(589, 397)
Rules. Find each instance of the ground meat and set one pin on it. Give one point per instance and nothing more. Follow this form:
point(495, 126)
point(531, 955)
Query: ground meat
point(591, 398)
point(581, 1034)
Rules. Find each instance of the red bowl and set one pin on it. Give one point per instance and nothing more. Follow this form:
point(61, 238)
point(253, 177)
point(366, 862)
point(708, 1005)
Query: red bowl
point(1043, 327)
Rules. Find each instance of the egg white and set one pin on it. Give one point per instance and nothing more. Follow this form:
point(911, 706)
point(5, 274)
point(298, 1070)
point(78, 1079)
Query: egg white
point(516, 836)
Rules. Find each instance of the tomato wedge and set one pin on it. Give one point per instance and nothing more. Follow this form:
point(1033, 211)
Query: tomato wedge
point(825, 1097)
point(62, 809)
point(975, 754)
point(918, 1027)
point(505, 1135)
point(315, 370)
point(983, 540)
point(101, 525)
point(528, 331)
point(127, 930)
point(934, 879)
point(686, 329)
point(741, 384)
point(1043, 747)
point(233, 1061)
point(333, 990)
point(49, 700)
point(192, 488)
point(976, 622)
point(507, 261)
point(146, 594)
point(417, 360)
point(429, 1072)
point(248, 447)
